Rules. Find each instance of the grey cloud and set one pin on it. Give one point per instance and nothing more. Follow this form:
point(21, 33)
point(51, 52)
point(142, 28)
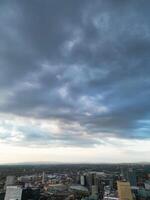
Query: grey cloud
point(55, 53)
point(34, 136)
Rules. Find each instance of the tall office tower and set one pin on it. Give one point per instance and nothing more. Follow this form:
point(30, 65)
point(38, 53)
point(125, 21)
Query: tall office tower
point(90, 179)
point(124, 190)
point(129, 174)
point(43, 178)
point(100, 188)
point(83, 180)
point(94, 185)
point(78, 178)
point(132, 177)
point(10, 180)
point(13, 193)
point(93, 179)
point(122, 173)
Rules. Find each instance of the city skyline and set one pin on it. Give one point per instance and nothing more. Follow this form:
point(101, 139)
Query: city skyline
point(74, 81)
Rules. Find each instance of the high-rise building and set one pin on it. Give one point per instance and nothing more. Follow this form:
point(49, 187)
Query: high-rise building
point(93, 178)
point(129, 174)
point(132, 177)
point(90, 179)
point(43, 177)
point(124, 190)
point(83, 180)
point(13, 193)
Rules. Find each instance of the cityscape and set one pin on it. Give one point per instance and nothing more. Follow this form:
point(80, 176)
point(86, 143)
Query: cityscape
point(74, 99)
point(75, 182)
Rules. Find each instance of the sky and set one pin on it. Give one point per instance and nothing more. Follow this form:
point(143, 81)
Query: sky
point(74, 81)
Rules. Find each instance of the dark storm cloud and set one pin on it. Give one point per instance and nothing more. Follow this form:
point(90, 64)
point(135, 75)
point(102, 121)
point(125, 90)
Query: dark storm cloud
point(84, 62)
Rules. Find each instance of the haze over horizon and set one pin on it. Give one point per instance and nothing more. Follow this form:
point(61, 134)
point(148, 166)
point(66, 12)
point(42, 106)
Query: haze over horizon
point(74, 81)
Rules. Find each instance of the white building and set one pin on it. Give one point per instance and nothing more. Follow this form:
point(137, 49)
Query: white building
point(13, 193)
point(82, 180)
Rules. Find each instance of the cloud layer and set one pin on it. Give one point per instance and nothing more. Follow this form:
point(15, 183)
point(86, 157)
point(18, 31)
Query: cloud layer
point(79, 67)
